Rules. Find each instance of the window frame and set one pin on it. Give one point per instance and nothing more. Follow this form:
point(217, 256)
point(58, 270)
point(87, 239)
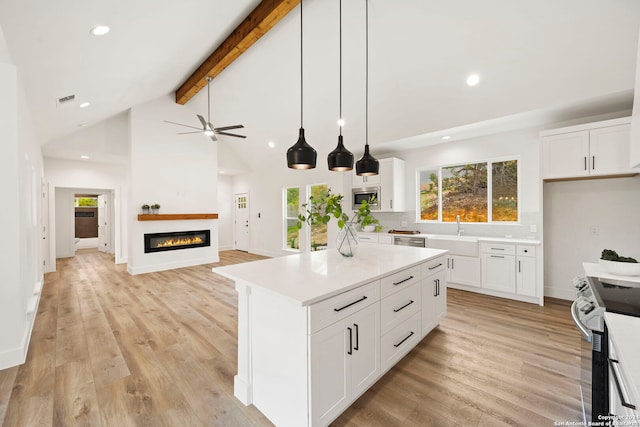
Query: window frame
point(489, 163)
point(286, 218)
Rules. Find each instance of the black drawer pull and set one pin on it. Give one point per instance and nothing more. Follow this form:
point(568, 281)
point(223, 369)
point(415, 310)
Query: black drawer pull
point(404, 306)
point(406, 338)
point(349, 305)
point(435, 266)
point(402, 281)
point(350, 351)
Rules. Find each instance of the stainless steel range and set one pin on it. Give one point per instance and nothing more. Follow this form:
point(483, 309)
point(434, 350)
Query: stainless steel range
point(588, 314)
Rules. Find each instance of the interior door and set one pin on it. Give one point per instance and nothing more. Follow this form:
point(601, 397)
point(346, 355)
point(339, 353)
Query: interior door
point(241, 215)
point(103, 224)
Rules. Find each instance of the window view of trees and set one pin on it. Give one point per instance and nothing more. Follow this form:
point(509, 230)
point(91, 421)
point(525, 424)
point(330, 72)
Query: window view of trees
point(429, 195)
point(464, 193)
point(464, 190)
point(504, 179)
point(319, 231)
point(293, 209)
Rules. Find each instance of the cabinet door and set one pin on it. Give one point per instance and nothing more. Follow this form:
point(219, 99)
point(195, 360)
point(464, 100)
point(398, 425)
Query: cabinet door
point(365, 356)
point(609, 150)
point(330, 372)
point(365, 181)
point(526, 276)
point(434, 301)
point(565, 155)
point(464, 270)
point(499, 272)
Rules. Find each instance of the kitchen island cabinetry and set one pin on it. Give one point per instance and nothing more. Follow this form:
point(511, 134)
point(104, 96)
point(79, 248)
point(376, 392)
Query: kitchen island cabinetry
point(591, 150)
point(434, 294)
point(310, 339)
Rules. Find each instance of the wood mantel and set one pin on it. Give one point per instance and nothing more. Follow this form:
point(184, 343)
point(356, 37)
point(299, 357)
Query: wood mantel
point(175, 217)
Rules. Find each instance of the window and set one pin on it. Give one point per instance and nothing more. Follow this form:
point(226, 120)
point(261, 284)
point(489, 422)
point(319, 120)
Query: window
point(482, 192)
point(291, 210)
point(85, 201)
point(318, 231)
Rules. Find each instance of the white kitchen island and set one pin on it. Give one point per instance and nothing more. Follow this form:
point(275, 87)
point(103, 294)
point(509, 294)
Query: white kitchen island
point(316, 330)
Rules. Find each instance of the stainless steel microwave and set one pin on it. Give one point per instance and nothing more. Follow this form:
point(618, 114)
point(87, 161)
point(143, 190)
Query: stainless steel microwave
point(366, 194)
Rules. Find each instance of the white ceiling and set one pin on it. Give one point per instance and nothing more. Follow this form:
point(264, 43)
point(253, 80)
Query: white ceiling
point(539, 61)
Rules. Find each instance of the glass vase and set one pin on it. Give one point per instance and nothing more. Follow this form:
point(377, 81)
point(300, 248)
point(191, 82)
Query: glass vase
point(347, 241)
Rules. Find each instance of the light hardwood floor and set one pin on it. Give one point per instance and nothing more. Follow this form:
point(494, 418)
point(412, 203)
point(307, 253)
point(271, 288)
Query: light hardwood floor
point(111, 349)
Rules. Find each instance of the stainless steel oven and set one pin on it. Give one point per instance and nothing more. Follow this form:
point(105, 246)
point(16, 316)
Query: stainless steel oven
point(366, 194)
point(588, 314)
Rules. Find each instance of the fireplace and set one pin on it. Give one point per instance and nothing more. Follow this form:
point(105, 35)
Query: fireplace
point(159, 242)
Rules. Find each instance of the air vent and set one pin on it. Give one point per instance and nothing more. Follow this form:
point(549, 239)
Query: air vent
point(65, 100)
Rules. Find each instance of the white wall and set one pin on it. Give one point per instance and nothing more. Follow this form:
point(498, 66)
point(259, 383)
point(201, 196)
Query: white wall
point(226, 203)
point(21, 271)
point(179, 172)
point(581, 219)
point(71, 176)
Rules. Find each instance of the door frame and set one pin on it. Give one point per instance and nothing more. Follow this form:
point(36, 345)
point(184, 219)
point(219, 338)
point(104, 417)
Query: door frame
point(235, 220)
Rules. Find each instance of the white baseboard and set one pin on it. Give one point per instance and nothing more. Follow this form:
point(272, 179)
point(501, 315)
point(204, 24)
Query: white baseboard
point(172, 265)
point(226, 248)
point(568, 294)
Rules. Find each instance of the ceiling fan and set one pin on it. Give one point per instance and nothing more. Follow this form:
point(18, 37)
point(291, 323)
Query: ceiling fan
point(207, 127)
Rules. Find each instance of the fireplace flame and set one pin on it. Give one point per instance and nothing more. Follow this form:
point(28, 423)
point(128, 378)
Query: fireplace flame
point(182, 241)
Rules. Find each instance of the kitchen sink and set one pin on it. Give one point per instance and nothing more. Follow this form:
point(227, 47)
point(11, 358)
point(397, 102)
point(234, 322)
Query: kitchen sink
point(456, 245)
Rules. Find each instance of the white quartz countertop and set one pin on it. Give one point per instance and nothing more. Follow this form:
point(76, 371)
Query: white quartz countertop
point(595, 270)
point(314, 276)
point(623, 331)
point(520, 241)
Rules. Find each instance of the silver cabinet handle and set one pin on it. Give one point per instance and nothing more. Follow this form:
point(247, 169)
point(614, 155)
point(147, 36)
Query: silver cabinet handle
point(613, 364)
point(497, 256)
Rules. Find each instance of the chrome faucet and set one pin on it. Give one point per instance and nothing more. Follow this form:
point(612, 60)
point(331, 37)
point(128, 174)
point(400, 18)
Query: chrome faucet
point(458, 222)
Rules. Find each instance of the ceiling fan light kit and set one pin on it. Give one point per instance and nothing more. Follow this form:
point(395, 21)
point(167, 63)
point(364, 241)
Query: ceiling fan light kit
point(340, 159)
point(367, 165)
point(301, 155)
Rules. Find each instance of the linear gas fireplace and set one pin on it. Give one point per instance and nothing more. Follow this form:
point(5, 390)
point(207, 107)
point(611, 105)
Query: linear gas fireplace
point(158, 242)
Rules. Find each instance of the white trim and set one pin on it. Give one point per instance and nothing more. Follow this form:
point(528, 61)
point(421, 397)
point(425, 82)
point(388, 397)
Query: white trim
point(172, 265)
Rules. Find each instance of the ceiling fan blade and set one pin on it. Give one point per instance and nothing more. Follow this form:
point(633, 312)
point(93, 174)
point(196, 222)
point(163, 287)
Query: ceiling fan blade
point(229, 127)
point(180, 124)
point(231, 134)
point(202, 120)
point(186, 133)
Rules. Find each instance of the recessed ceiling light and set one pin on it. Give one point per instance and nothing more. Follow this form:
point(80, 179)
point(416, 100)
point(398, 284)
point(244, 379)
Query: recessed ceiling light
point(85, 104)
point(100, 30)
point(446, 137)
point(473, 79)
point(271, 144)
point(81, 125)
point(221, 172)
point(84, 157)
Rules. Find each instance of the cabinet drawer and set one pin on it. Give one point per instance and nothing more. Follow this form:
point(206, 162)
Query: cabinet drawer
point(398, 341)
point(385, 240)
point(399, 306)
point(434, 266)
point(498, 248)
point(526, 250)
point(326, 312)
point(399, 280)
point(367, 238)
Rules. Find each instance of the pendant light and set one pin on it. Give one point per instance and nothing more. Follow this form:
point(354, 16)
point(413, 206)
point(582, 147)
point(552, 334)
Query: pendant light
point(340, 159)
point(301, 155)
point(367, 165)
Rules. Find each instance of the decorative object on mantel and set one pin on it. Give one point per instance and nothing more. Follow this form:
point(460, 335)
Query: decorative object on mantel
point(320, 210)
point(301, 155)
point(367, 165)
point(145, 209)
point(177, 217)
point(340, 159)
point(155, 209)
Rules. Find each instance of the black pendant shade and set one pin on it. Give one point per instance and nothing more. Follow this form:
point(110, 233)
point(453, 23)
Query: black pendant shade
point(367, 165)
point(301, 155)
point(340, 159)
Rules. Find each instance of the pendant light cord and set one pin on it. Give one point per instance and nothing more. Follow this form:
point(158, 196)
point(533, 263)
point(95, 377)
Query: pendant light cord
point(340, 118)
point(301, 70)
point(366, 76)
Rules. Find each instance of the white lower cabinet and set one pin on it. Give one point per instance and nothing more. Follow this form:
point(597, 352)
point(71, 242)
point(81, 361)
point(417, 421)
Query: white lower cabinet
point(464, 270)
point(397, 342)
point(498, 267)
point(434, 294)
point(526, 271)
point(345, 361)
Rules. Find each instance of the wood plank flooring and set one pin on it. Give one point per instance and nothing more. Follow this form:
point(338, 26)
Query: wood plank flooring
point(159, 349)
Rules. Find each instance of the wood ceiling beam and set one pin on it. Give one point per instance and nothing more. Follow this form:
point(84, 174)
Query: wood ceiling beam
point(264, 17)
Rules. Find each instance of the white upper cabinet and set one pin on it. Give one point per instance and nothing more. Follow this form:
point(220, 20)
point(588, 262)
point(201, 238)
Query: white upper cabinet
point(591, 150)
point(390, 179)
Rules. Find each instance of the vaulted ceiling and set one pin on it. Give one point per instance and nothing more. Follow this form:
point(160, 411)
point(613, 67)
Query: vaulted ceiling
point(540, 60)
